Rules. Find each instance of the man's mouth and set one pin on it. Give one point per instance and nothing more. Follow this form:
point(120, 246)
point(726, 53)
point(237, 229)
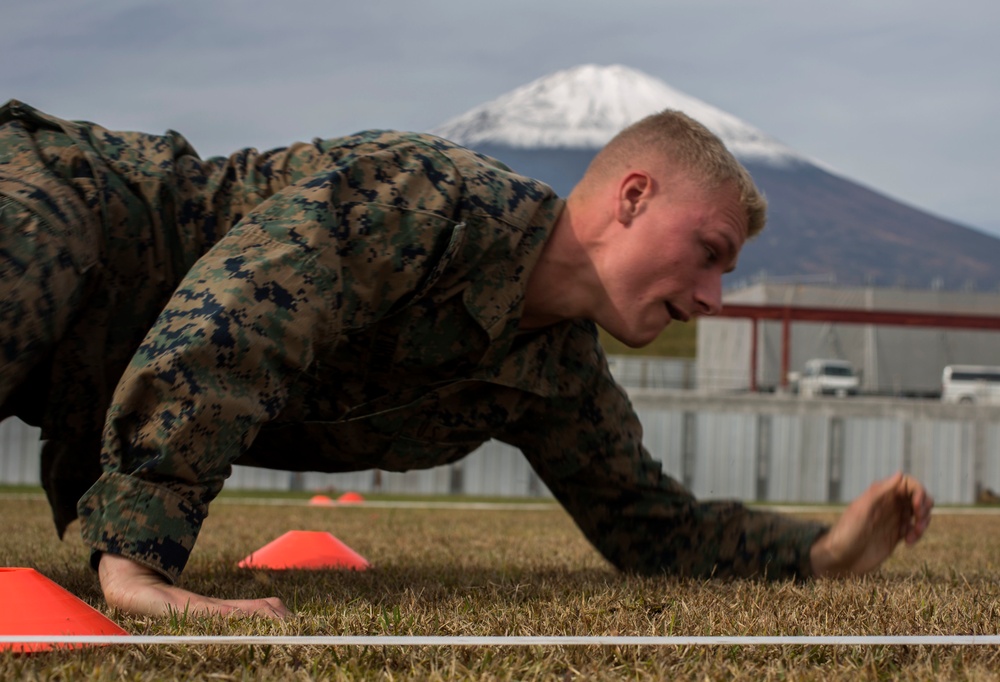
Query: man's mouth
point(676, 313)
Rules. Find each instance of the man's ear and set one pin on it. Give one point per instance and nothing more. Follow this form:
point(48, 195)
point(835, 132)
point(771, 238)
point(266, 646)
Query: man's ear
point(633, 193)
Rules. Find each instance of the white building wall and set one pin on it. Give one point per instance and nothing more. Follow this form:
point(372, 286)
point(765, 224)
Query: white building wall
point(894, 360)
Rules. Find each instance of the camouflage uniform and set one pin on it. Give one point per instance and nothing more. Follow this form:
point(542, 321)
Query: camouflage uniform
point(366, 317)
point(96, 229)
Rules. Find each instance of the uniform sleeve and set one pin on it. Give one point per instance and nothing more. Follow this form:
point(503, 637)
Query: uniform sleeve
point(586, 446)
point(331, 254)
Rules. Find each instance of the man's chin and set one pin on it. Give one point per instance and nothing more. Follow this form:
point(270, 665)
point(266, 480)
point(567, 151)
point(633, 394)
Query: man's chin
point(639, 335)
point(639, 339)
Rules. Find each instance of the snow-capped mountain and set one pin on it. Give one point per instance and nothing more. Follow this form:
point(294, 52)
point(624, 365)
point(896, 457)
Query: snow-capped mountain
point(584, 107)
point(821, 226)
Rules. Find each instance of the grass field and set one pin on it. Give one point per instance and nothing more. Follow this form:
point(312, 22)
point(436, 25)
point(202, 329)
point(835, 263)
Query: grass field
point(679, 340)
point(514, 572)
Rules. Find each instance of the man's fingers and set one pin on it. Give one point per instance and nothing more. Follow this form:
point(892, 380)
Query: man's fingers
point(271, 607)
point(919, 504)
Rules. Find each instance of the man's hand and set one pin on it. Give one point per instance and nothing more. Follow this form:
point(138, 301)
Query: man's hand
point(868, 531)
point(139, 590)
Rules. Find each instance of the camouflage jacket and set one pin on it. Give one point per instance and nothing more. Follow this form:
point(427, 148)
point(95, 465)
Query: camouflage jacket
point(367, 316)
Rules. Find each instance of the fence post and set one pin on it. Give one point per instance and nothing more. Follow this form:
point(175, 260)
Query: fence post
point(763, 455)
point(978, 458)
point(907, 445)
point(835, 450)
point(690, 440)
point(534, 484)
point(456, 479)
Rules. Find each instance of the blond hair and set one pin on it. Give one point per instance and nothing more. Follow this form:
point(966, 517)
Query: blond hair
point(682, 143)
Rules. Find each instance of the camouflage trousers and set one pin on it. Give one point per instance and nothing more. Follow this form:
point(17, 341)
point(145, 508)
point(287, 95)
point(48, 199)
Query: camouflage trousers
point(44, 283)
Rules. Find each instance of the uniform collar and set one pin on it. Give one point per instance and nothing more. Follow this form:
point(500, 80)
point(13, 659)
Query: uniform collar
point(495, 297)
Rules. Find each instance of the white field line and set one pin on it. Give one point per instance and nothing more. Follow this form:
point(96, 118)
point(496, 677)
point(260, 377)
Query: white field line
point(373, 504)
point(396, 504)
point(406, 641)
point(507, 506)
point(550, 506)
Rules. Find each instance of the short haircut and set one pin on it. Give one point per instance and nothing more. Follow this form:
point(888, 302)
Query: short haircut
point(683, 143)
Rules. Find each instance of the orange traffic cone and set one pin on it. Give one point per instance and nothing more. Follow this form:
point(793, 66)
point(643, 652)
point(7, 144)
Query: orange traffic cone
point(34, 605)
point(350, 498)
point(321, 500)
point(305, 549)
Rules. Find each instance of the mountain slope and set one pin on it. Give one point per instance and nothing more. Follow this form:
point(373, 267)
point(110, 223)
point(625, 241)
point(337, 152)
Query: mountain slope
point(820, 226)
point(823, 226)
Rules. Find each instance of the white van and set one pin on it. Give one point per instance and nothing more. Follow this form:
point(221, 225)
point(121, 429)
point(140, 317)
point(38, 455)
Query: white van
point(828, 377)
point(970, 384)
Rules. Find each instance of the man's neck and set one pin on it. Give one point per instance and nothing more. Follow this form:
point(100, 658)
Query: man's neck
point(563, 281)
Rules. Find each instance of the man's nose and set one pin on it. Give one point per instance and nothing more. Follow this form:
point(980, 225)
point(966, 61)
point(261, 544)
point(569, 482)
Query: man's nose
point(708, 296)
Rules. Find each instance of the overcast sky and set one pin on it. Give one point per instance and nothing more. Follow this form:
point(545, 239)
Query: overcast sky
point(900, 95)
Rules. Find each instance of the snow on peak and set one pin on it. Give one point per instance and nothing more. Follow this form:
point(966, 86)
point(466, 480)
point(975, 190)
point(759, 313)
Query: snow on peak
point(585, 106)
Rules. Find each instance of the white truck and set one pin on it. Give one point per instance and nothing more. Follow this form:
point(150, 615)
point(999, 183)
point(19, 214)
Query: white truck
point(970, 384)
point(822, 376)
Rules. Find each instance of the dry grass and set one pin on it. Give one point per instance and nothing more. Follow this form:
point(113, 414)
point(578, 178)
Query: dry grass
point(679, 340)
point(523, 573)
